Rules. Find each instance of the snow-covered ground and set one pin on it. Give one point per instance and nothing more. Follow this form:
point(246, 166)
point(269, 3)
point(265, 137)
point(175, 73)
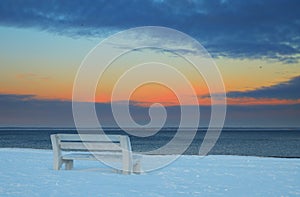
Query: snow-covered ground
point(28, 172)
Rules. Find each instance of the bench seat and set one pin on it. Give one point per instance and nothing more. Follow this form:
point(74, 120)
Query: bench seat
point(83, 156)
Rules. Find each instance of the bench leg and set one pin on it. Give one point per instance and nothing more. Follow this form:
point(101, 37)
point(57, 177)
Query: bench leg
point(137, 167)
point(68, 164)
point(125, 172)
point(57, 163)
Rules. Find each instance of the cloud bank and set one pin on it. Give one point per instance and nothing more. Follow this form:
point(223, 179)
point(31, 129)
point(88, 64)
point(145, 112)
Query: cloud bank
point(286, 90)
point(27, 110)
point(232, 28)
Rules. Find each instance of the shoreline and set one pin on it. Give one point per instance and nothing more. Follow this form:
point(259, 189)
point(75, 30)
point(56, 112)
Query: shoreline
point(129, 128)
point(279, 157)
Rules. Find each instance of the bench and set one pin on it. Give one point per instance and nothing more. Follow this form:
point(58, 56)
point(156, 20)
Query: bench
point(108, 148)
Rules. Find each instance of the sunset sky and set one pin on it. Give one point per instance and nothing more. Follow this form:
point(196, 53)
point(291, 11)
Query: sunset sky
point(255, 45)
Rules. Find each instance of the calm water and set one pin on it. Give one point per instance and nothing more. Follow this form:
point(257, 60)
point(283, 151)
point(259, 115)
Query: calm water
point(233, 141)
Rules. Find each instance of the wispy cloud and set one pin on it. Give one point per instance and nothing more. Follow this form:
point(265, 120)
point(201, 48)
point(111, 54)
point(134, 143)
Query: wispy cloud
point(240, 29)
point(4, 98)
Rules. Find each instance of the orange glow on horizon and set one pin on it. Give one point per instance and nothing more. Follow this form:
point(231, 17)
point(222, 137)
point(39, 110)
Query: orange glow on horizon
point(154, 93)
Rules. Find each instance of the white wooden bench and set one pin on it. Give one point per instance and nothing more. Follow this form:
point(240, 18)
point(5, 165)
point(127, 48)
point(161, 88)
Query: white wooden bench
point(111, 148)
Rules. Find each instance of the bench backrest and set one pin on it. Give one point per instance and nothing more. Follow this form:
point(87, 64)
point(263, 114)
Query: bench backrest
point(91, 142)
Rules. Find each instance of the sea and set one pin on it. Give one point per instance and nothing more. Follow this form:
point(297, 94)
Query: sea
point(263, 142)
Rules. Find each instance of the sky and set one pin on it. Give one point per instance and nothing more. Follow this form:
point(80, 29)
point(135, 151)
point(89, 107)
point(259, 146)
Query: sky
point(255, 45)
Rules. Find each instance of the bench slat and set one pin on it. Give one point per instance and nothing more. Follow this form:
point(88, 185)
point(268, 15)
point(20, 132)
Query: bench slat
point(106, 156)
point(90, 146)
point(89, 137)
point(103, 157)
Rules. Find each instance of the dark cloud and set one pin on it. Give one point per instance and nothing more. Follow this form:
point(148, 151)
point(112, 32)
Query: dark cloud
point(28, 110)
point(263, 115)
point(286, 90)
point(234, 28)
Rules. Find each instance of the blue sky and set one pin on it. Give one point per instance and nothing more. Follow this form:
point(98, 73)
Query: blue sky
point(256, 45)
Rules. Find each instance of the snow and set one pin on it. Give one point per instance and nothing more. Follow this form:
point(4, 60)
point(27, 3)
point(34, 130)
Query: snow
point(28, 172)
